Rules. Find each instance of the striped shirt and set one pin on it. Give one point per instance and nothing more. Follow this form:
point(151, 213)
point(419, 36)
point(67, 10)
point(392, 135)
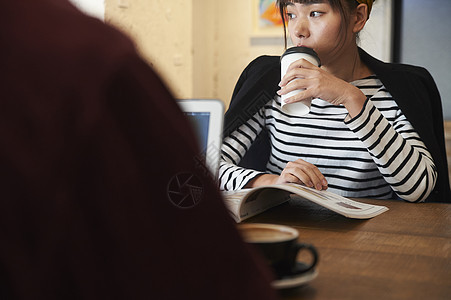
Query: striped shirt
point(372, 155)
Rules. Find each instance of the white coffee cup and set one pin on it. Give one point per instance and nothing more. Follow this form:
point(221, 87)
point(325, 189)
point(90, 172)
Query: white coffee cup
point(291, 55)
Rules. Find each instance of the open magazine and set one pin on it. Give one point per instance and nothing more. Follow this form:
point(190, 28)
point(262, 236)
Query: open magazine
point(247, 203)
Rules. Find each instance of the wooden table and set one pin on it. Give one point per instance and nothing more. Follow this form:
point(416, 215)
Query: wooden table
point(405, 253)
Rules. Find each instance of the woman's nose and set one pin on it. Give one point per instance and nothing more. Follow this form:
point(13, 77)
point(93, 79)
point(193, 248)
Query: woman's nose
point(301, 28)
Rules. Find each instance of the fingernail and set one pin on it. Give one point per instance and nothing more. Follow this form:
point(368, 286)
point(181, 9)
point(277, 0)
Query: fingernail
point(324, 182)
point(319, 187)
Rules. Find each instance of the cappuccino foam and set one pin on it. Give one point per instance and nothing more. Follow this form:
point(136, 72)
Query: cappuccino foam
point(266, 235)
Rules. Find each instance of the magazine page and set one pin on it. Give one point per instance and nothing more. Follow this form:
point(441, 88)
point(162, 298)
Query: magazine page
point(232, 200)
point(344, 206)
point(247, 203)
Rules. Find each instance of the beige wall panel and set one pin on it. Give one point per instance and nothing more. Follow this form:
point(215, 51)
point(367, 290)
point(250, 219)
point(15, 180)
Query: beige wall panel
point(162, 31)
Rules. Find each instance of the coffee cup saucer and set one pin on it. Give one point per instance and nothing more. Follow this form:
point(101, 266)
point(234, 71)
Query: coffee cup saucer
point(296, 279)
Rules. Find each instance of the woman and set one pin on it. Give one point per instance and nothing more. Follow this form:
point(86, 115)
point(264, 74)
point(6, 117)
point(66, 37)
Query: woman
point(374, 129)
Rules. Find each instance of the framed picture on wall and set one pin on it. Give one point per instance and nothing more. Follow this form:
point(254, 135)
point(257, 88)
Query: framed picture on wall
point(266, 19)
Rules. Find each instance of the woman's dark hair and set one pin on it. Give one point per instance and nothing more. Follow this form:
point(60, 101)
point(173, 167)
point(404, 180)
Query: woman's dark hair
point(344, 7)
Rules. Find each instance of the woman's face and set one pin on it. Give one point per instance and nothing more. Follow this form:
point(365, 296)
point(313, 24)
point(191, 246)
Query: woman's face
point(317, 26)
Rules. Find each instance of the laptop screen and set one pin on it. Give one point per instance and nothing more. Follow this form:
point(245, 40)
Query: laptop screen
point(206, 117)
point(200, 122)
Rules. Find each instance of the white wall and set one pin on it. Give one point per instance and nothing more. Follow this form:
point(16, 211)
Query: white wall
point(95, 8)
point(376, 37)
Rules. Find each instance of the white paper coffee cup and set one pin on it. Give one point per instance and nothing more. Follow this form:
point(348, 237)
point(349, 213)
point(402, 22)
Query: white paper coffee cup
point(291, 55)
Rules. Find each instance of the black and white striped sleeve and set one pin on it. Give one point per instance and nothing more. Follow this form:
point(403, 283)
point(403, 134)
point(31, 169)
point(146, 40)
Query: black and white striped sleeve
point(399, 153)
point(234, 147)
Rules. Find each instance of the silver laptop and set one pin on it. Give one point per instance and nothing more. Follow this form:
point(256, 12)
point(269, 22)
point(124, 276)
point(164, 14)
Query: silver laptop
point(206, 117)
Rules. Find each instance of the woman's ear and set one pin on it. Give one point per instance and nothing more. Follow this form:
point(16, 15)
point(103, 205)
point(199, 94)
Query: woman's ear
point(360, 17)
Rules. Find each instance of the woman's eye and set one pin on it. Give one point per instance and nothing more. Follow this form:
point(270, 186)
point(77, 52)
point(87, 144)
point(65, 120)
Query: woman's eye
point(290, 16)
point(315, 14)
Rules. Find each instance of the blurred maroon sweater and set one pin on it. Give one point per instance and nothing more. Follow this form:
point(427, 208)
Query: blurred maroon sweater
point(90, 141)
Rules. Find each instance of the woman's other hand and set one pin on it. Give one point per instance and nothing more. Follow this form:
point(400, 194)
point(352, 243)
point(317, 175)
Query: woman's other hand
point(298, 171)
point(302, 172)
